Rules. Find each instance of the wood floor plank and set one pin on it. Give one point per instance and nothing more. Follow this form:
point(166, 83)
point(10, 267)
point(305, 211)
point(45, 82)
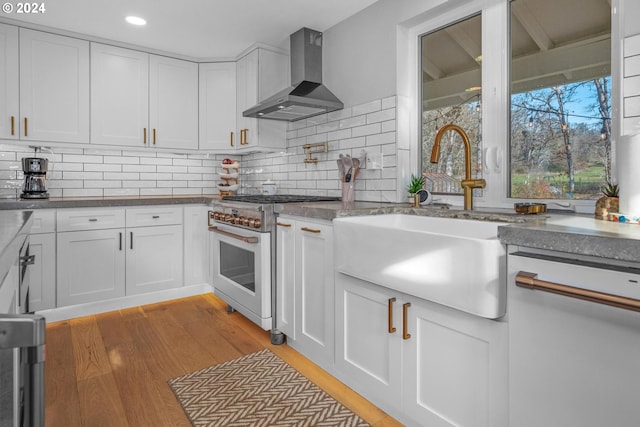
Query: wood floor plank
point(88, 348)
point(62, 406)
point(101, 403)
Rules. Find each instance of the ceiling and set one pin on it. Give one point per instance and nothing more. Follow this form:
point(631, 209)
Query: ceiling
point(195, 28)
point(553, 42)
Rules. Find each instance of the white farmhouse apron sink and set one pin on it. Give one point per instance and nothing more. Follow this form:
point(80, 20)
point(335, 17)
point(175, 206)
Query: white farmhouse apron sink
point(458, 263)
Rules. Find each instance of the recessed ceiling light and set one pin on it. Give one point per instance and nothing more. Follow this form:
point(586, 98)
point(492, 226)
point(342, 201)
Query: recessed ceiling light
point(135, 20)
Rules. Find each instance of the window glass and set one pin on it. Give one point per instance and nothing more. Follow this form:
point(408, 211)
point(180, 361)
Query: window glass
point(561, 98)
point(451, 59)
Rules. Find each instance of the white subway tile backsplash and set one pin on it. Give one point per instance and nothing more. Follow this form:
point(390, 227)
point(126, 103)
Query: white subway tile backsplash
point(96, 171)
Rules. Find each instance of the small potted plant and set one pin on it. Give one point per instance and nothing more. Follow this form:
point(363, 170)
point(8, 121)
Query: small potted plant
point(415, 184)
point(609, 202)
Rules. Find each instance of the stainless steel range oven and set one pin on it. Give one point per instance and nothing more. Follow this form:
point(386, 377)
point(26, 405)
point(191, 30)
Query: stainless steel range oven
point(243, 249)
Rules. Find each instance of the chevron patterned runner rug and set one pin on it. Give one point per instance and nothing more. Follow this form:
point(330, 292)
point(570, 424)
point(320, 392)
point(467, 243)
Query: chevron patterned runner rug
point(256, 390)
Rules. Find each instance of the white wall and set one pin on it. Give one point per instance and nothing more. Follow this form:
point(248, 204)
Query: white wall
point(359, 53)
point(631, 10)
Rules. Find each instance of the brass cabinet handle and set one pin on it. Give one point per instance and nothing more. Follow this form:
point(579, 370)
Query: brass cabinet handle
point(13, 125)
point(282, 224)
point(144, 135)
point(154, 136)
point(241, 136)
point(310, 230)
point(25, 127)
point(246, 141)
point(405, 334)
point(233, 235)
point(391, 328)
point(231, 138)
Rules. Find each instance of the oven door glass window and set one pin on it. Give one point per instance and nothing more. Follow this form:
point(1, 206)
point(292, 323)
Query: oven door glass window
point(238, 265)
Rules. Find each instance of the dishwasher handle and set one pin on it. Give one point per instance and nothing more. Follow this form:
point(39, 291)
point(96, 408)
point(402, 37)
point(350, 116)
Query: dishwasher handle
point(529, 280)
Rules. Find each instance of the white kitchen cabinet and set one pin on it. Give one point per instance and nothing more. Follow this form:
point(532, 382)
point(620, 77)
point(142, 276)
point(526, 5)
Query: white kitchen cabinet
point(285, 276)
point(260, 74)
point(313, 288)
point(196, 245)
point(572, 362)
point(173, 103)
point(119, 96)
point(218, 106)
point(42, 286)
point(90, 266)
point(424, 363)
point(154, 258)
point(143, 100)
point(154, 249)
point(9, 82)
point(54, 87)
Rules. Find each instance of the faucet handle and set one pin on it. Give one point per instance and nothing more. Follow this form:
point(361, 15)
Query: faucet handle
point(473, 183)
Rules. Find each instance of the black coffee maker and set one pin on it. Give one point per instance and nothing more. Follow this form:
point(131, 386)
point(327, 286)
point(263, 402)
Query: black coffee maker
point(35, 178)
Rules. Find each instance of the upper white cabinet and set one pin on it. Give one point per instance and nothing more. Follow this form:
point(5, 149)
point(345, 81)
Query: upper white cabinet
point(54, 87)
point(260, 74)
point(218, 106)
point(119, 96)
point(141, 100)
point(173, 103)
point(9, 82)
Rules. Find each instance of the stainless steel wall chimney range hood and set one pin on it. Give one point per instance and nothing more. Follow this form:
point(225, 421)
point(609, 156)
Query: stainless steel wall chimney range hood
point(307, 97)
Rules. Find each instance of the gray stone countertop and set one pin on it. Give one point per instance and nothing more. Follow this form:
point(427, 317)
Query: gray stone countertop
point(94, 202)
point(564, 232)
point(13, 227)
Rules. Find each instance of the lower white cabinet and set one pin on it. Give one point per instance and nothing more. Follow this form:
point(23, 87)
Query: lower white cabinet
point(42, 283)
point(109, 253)
point(91, 266)
point(196, 245)
point(424, 363)
point(305, 287)
point(154, 258)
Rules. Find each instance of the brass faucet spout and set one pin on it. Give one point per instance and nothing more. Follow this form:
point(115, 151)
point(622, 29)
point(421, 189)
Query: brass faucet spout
point(467, 183)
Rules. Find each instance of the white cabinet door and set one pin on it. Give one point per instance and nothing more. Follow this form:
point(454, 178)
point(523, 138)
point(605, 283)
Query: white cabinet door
point(368, 340)
point(154, 258)
point(173, 103)
point(9, 82)
point(119, 96)
point(90, 266)
point(285, 276)
point(260, 73)
point(42, 284)
point(454, 368)
point(54, 87)
point(314, 292)
point(218, 106)
point(196, 245)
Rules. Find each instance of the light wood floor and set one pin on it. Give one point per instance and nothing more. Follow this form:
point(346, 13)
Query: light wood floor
point(112, 369)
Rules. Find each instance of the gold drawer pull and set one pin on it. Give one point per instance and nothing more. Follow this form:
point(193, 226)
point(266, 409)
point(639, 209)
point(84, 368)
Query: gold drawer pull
point(282, 224)
point(231, 138)
point(154, 136)
point(25, 127)
point(391, 328)
point(310, 230)
point(13, 125)
point(144, 136)
point(405, 308)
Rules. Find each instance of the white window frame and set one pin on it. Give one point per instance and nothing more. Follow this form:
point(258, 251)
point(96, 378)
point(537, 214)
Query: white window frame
point(496, 103)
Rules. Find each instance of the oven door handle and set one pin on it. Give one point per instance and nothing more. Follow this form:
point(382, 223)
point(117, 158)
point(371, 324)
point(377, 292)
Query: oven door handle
point(233, 235)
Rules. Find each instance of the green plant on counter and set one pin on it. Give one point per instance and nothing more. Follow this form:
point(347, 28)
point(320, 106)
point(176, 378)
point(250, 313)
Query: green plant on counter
point(610, 189)
point(415, 184)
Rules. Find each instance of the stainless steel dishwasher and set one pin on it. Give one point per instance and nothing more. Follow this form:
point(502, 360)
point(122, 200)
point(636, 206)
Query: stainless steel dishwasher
point(574, 342)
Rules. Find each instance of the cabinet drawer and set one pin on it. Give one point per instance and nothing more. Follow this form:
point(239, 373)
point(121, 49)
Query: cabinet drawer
point(90, 219)
point(156, 215)
point(44, 221)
